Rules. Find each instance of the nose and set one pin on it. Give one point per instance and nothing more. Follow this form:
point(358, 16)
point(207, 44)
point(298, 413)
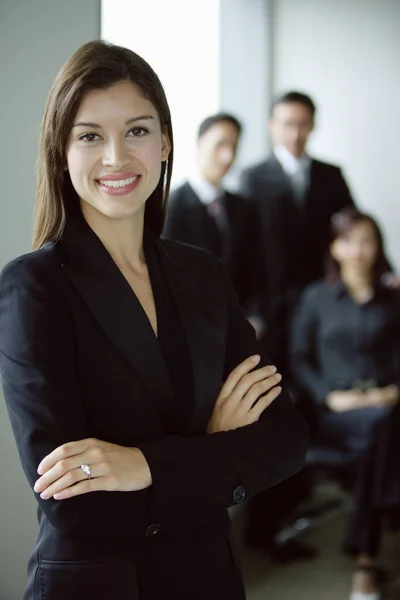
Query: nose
point(115, 155)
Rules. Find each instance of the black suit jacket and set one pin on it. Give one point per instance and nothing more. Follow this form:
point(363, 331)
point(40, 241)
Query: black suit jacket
point(295, 242)
point(189, 221)
point(79, 359)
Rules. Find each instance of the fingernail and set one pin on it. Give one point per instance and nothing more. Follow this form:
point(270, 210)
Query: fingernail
point(255, 358)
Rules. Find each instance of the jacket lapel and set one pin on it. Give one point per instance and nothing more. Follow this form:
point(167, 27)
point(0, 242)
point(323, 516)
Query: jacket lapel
point(111, 301)
point(202, 312)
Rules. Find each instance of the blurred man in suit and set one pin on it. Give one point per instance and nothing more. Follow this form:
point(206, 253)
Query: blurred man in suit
point(296, 195)
point(202, 213)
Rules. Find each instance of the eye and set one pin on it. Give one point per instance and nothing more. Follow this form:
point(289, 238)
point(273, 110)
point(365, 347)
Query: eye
point(88, 137)
point(138, 131)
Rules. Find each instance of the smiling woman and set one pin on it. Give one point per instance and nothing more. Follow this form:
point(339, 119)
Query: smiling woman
point(141, 402)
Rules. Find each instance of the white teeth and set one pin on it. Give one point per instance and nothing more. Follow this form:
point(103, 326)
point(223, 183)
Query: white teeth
point(118, 182)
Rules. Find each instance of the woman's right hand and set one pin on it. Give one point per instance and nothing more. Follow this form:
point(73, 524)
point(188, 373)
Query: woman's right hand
point(342, 400)
point(245, 395)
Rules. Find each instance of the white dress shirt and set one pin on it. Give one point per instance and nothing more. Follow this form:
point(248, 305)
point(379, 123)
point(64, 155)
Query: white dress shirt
point(296, 168)
point(206, 192)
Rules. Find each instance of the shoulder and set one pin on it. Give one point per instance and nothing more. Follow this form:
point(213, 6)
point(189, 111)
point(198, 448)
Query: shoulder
point(254, 170)
point(180, 193)
point(240, 200)
point(34, 266)
point(327, 168)
point(315, 293)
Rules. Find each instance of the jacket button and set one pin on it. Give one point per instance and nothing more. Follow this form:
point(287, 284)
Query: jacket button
point(239, 494)
point(152, 530)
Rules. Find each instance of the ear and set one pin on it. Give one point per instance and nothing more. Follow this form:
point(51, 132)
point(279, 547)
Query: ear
point(166, 147)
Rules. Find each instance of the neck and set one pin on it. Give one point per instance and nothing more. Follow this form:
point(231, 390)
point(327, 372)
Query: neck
point(122, 238)
point(358, 283)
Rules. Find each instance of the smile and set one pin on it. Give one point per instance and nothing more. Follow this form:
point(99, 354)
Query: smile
point(118, 187)
point(118, 182)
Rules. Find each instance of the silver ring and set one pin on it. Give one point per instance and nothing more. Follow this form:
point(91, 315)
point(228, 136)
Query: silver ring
point(86, 469)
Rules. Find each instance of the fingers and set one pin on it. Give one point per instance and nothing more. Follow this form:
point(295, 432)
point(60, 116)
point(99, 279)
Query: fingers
point(66, 481)
point(63, 452)
point(65, 466)
point(236, 375)
point(263, 403)
point(242, 378)
point(259, 389)
point(252, 379)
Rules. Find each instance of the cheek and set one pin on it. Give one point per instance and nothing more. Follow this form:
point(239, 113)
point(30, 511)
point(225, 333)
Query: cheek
point(151, 155)
point(76, 166)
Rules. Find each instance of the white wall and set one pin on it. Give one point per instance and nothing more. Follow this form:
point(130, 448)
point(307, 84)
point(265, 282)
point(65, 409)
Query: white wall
point(180, 40)
point(245, 82)
point(346, 54)
point(35, 40)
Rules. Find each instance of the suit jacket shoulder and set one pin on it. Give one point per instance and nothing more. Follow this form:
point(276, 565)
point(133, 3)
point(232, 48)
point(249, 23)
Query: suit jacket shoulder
point(35, 266)
point(255, 170)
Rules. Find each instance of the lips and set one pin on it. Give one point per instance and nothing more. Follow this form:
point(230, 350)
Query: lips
point(118, 184)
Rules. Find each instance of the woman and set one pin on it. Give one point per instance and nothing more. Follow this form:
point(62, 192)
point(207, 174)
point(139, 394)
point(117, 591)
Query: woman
point(345, 354)
point(140, 404)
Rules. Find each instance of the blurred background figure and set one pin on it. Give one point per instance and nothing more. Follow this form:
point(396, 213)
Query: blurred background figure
point(295, 196)
point(345, 354)
point(201, 212)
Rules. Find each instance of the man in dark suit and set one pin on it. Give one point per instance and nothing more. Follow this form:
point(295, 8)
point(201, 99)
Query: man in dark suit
point(203, 214)
point(296, 196)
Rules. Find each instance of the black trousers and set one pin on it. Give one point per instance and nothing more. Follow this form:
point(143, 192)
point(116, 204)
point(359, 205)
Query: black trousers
point(362, 433)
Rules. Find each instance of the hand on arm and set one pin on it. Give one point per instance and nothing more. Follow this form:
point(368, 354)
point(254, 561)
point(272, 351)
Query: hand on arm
point(244, 396)
point(113, 468)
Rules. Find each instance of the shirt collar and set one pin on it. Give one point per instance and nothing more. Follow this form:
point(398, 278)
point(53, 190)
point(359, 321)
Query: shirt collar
point(291, 164)
point(205, 191)
point(339, 290)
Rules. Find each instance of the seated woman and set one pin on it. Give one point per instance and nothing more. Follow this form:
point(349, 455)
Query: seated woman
point(345, 355)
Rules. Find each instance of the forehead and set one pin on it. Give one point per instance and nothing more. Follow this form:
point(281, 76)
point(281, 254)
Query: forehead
point(361, 229)
point(222, 130)
point(293, 111)
point(123, 99)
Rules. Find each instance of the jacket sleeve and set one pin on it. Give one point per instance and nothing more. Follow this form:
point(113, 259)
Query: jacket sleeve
point(210, 469)
point(44, 398)
point(303, 347)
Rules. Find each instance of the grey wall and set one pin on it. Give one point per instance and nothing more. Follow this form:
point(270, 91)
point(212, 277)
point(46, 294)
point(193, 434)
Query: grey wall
point(35, 40)
point(245, 81)
point(346, 53)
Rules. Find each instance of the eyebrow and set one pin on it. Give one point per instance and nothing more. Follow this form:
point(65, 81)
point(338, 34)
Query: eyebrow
point(128, 122)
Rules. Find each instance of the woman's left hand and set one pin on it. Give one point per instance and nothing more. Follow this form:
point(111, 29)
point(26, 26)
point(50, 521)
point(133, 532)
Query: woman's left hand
point(113, 468)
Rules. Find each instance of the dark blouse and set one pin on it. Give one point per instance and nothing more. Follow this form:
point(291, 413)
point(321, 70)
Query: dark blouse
point(172, 343)
point(337, 343)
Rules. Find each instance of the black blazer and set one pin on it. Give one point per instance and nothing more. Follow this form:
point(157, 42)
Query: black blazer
point(188, 221)
point(294, 246)
point(78, 359)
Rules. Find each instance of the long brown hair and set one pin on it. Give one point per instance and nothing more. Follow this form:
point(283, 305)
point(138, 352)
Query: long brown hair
point(96, 65)
point(341, 223)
